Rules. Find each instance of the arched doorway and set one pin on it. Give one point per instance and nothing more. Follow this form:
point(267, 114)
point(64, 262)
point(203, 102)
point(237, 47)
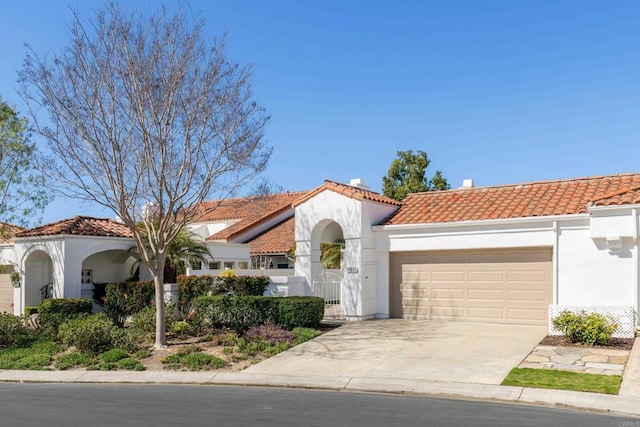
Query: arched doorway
point(38, 278)
point(327, 249)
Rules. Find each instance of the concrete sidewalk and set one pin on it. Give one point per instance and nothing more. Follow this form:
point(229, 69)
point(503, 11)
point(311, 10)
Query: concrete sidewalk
point(627, 405)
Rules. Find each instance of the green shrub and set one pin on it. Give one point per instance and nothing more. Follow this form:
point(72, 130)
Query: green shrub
point(305, 312)
point(30, 309)
point(53, 312)
point(242, 312)
point(122, 300)
point(12, 329)
point(113, 355)
point(237, 313)
point(126, 339)
point(243, 285)
point(192, 287)
point(586, 328)
point(143, 323)
point(87, 333)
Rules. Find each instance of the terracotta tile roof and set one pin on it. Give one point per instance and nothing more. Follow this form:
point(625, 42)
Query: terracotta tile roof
point(249, 211)
point(7, 232)
point(348, 191)
point(514, 201)
point(276, 240)
point(80, 226)
point(630, 196)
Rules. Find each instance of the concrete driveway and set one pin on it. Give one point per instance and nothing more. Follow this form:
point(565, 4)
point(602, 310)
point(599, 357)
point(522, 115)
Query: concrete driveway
point(410, 349)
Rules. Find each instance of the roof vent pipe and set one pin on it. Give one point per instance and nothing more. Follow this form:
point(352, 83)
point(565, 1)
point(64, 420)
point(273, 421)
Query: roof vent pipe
point(359, 183)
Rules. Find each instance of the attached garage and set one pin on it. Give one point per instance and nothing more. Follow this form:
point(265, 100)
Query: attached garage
point(501, 286)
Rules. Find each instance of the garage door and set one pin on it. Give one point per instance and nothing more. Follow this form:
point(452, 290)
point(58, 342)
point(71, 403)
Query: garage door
point(504, 286)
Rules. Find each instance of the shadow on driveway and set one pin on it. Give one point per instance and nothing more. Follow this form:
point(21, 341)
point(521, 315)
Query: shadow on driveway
point(465, 352)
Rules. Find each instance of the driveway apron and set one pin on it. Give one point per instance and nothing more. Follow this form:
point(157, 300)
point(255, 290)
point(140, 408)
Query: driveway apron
point(463, 352)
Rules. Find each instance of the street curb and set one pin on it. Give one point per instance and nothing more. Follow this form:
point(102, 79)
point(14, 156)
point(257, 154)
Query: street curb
point(561, 399)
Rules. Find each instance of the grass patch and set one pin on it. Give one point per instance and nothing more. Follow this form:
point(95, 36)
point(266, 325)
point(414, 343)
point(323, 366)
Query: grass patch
point(563, 380)
point(193, 359)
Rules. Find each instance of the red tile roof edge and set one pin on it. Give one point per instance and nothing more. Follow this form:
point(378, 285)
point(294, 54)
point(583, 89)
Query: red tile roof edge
point(250, 225)
point(348, 191)
point(40, 230)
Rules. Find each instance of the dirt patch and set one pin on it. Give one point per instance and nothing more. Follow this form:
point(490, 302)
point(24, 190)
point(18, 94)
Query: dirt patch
point(213, 344)
point(616, 343)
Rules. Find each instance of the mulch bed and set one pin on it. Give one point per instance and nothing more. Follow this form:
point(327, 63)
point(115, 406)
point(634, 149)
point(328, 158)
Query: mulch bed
point(616, 343)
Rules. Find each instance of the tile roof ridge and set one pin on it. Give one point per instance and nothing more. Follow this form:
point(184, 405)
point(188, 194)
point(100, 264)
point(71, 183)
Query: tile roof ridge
point(522, 184)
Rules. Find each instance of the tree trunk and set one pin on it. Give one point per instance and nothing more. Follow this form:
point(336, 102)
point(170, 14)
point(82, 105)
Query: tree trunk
point(158, 280)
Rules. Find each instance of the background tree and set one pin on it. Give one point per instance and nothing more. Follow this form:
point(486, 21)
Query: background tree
point(145, 111)
point(22, 196)
point(407, 174)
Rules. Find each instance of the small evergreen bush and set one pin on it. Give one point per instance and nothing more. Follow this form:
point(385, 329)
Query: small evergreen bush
point(304, 312)
point(87, 333)
point(586, 328)
point(12, 329)
point(53, 312)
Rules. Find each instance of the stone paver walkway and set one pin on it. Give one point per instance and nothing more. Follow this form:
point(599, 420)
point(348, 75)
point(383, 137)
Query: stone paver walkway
point(577, 359)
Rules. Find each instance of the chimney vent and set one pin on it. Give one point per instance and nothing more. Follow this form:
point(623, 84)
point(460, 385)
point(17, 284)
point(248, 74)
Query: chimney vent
point(467, 183)
point(359, 183)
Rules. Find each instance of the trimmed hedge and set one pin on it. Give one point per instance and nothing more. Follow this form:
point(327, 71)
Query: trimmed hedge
point(192, 287)
point(243, 312)
point(300, 312)
point(53, 312)
point(30, 309)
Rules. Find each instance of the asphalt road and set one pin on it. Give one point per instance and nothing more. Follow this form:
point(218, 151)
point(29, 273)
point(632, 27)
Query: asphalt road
point(161, 405)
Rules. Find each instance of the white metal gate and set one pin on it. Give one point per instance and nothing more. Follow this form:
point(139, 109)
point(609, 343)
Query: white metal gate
point(328, 285)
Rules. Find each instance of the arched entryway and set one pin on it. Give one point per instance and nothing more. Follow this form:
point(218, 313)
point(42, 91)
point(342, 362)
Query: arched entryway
point(327, 249)
point(38, 278)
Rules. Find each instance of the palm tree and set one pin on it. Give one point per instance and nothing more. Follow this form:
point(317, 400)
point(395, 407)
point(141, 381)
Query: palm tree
point(185, 248)
point(331, 254)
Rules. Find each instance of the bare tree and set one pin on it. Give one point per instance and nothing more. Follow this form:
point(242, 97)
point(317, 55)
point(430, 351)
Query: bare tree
point(147, 118)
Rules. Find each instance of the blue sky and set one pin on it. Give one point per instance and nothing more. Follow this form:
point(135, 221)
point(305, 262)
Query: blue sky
point(498, 91)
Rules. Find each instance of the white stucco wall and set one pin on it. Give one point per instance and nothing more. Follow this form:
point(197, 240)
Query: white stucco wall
point(318, 215)
point(67, 254)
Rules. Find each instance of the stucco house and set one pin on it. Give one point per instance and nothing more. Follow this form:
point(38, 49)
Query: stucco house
point(509, 254)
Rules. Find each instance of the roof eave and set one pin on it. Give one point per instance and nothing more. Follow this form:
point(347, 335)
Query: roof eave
point(483, 222)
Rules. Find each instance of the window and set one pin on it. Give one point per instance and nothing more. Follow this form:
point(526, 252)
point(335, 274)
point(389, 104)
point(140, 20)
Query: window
point(196, 266)
point(214, 265)
point(229, 264)
point(280, 266)
point(87, 276)
point(243, 265)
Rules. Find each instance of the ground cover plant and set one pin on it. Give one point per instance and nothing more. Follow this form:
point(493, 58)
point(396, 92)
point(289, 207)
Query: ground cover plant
point(70, 338)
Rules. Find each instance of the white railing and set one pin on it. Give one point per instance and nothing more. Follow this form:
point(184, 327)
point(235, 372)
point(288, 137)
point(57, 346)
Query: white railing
point(330, 290)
